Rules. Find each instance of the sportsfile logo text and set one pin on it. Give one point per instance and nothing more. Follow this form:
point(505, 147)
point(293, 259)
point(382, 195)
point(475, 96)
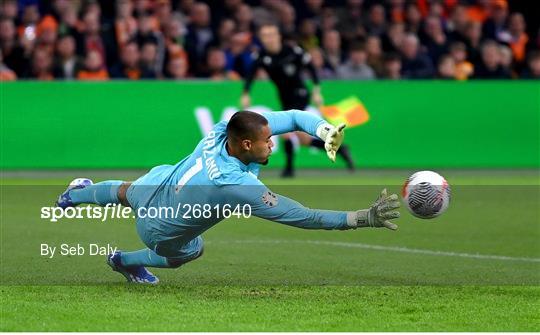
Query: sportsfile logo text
point(117, 211)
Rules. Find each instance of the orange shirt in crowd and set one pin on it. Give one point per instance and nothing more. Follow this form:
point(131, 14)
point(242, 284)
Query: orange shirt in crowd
point(477, 14)
point(518, 47)
point(132, 74)
point(423, 6)
point(93, 75)
point(7, 75)
point(397, 15)
point(464, 70)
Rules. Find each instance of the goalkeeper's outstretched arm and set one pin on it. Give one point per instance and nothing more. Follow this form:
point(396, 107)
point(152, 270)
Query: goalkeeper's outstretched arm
point(293, 120)
point(271, 206)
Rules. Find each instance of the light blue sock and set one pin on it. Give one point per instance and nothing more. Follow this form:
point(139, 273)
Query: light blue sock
point(144, 257)
point(105, 192)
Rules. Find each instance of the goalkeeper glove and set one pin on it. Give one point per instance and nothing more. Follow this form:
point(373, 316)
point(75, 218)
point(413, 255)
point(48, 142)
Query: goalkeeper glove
point(332, 137)
point(378, 215)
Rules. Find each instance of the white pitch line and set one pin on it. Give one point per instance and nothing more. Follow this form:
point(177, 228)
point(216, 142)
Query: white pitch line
point(390, 248)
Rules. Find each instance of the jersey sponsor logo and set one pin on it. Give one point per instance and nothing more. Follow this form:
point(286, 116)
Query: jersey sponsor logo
point(270, 199)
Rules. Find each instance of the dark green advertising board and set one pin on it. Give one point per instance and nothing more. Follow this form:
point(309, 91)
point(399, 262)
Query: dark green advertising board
point(425, 124)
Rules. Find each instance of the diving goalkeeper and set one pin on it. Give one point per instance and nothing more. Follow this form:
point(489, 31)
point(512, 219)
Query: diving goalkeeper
point(222, 170)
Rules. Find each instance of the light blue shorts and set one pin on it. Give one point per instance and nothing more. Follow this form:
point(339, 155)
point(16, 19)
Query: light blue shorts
point(171, 247)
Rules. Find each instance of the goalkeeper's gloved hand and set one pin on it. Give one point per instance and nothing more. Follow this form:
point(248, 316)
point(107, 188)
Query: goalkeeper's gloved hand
point(378, 215)
point(332, 137)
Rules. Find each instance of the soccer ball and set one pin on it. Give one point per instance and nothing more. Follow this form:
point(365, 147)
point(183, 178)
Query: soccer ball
point(426, 194)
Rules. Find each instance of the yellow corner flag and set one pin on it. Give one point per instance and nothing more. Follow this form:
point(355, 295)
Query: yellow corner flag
point(350, 111)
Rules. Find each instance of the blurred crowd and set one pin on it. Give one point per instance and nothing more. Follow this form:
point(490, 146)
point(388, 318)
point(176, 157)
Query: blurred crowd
point(348, 39)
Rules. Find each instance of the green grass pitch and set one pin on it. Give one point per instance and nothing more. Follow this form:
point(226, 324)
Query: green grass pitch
point(476, 268)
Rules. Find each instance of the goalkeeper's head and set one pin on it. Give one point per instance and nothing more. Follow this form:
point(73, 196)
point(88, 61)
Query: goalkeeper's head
point(248, 138)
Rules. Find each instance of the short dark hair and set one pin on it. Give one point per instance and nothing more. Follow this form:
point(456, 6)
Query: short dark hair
point(245, 125)
point(458, 46)
point(391, 57)
point(267, 24)
point(358, 45)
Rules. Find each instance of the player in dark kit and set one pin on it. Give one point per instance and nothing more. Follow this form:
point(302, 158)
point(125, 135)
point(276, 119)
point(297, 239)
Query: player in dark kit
point(284, 65)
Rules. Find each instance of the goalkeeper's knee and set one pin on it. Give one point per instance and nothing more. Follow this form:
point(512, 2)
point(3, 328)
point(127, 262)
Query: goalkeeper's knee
point(178, 262)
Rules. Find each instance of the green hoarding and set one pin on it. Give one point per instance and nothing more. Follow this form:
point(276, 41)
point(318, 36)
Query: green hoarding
point(424, 124)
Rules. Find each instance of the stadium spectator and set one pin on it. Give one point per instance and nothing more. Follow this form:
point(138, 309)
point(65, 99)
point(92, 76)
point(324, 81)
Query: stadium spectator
point(307, 37)
point(216, 65)
point(29, 20)
point(9, 9)
point(375, 54)
point(310, 9)
point(376, 23)
point(198, 37)
point(506, 59)
point(67, 63)
point(6, 74)
point(533, 69)
point(446, 68)
point(413, 18)
point(479, 11)
point(148, 32)
point(128, 67)
point(457, 23)
point(244, 18)
point(317, 59)
point(225, 9)
point(92, 38)
point(149, 57)
point(415, 64)
point(93, 67)
point(517, 38)
point(329, 19)
point(177, 68)
point(16, 52)
point(58, 8)
point(238, 54)
point(331, 44)
point(435, 38)
point(174, 32)
point(495, 24)
point(490, 66)
point(473, 40)
point(125, 24)
point(163, 12)
point(356, 67)
point(226, 29)
point(287, 20)
point(46, 33)
point(174, 38)
point(140, 8)
point(41, 65)
point(392, 66)
point(68, 21)
point(187, 28)
point(351, 20)
point(436, 9)
point(393, 38)
point(464, 68)
point(184, 8)
point(266, 12)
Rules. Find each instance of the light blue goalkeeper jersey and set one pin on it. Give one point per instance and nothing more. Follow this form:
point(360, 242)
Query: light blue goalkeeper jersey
point(211, 178)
